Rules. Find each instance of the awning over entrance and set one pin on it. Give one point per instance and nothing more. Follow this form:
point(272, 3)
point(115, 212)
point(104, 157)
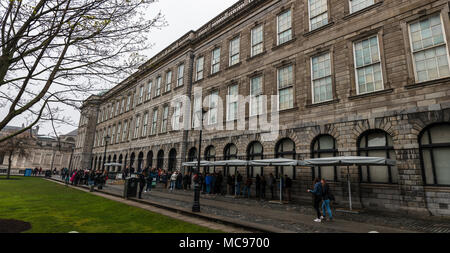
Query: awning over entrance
point(195, 164)
point(350, 161)
point(277, 162)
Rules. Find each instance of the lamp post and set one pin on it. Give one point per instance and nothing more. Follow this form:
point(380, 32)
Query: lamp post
point(196, 206)
point(104, 154)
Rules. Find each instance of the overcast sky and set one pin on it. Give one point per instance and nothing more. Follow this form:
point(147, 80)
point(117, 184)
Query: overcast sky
point(181, 15)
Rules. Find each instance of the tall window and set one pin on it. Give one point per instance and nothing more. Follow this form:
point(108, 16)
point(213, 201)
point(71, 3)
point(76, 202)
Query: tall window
point(180, 75)
point(128, 102)
point(429, 49)
point(149, 90)
point(435, 153)
point(165, 119)
point(99, 119)
point(325, 146)
point(369, 77)
point(256, 92)
point(230, 153)
point(284, 27)
point(117, 108)
point(235, 50)
point(137, 126)
point(199, 68)
point(197, 112)
point(99, 138)
point(257, 40)
point(141, 94)
point(106, 113)
point(119, 129)
point(318, 13)
point(176, 116)
point(286, 88)
point(130, 131)
point(210, 155)
point(215, 61)
point(113, 134)
point(285, 148)
point(125, 131)
point(321, 78)
point(356, 5)
point(168, 81)
point(154, 121)
point(377, 143)
point(122, 108)
point(144, 128)
point(212, 113)
point(232, 102)
point(255, 152)
point(158, 86)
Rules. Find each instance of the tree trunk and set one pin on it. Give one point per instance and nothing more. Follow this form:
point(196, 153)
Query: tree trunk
point(9, 165)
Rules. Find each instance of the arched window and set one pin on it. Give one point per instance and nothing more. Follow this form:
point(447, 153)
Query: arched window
point(160, 159)
point(230, 153)
point(150, 159)
point(255, 152)
point(285, 148)
point(140, 162)
point(377, 143)
point(192, 155)
point(434, 144)
point(132, 157)
point(172, 160)
point(120, 168)
point(325, 146)
point(108, 168)
point(210, 155)
point(114, 161)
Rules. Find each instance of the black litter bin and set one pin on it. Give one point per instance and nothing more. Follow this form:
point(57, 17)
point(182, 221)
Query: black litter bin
point(131, 187)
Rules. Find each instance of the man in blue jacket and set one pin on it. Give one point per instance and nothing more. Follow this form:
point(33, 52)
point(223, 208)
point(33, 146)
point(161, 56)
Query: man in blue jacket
point(317, 193)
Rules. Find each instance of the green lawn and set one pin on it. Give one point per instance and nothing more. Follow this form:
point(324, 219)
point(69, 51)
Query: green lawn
point(54, 208)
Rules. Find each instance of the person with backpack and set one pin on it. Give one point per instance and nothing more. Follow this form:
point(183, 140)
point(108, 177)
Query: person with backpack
point(317, 193)
point(327, 197)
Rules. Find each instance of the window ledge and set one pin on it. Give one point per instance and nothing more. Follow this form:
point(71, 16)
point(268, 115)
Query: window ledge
point(334, 101)
point(249, 58)
point(368, 8)
point(167, 92)
point(330, 24)
point(378, 185)
point(178, 87)
point(427, 83)
point(375, 93)
point(234, 65)
point(157, 96)
point(295, 108)
point(215, 74)
point(199, 81)
point(275, 47)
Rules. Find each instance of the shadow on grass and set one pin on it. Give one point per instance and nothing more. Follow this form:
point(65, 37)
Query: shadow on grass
point(14, 226)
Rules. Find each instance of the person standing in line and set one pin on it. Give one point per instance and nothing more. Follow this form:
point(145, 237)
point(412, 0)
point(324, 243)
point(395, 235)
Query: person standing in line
point(263, 187)
point(248, 186)
point(272, 183)
point(141, 181)
point(327, 197)
point(173, 180)
point(317, 193)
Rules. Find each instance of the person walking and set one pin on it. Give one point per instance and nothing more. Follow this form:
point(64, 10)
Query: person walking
point(317, 193)
point(141, 180)
point(173, 180)
point(272, 183)
point(327, 197)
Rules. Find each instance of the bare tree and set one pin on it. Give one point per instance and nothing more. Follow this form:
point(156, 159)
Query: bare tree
point(57, 52)
point(16, 145)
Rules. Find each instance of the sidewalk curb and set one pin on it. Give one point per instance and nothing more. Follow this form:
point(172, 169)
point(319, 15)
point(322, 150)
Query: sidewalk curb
point(253, 227)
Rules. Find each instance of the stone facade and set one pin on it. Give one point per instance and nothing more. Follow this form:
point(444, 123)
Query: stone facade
point(402, 110)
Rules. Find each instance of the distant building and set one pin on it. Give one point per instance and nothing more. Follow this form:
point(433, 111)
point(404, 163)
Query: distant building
point(44, 152)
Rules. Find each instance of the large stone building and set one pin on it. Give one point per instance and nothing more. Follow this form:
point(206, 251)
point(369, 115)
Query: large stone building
point(42, 151)
point(354, 77)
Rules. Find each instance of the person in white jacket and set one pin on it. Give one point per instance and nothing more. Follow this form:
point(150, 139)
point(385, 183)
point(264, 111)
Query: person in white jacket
point(173, 180)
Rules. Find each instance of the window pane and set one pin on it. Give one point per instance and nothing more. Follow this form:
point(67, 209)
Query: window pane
point(426, 33)
point(379, 174)
point(357, 5)
point(431, 64)
point(284, 27)
point(442, 165)
point(318, 13)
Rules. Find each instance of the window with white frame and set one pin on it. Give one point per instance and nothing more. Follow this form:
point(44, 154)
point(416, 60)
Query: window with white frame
point(119, 129)
point(285, 88)
point(141, 94)
point(130, 131)
point(104, 137)
point(111, 112)
point(144, 127)
point(235, 45)
point(369, 77)
point(322, 88)
point(176, 116)
point(256, 92)
point(180, 75)
point(99, 136)
point(165, 119)
point(257, 40)
point(212, 113)
point(125, 130)
point(197, 112)
point(232, 102)
point(122, 108)
point(99, 116)
point(168, 80)
point(113, 134)
point(357, 5)
point(158, 86)
point(284, 27)
point(154, 121)
point(149, 90)
point(128, 102)
point(199, 68)
point(106, 113)
point(318, 13)
point(136, 127)
point(215, 61)
point(109, 131)
point(429, 49)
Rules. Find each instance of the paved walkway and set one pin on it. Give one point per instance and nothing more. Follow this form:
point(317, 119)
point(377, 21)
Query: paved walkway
point(286, 218)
